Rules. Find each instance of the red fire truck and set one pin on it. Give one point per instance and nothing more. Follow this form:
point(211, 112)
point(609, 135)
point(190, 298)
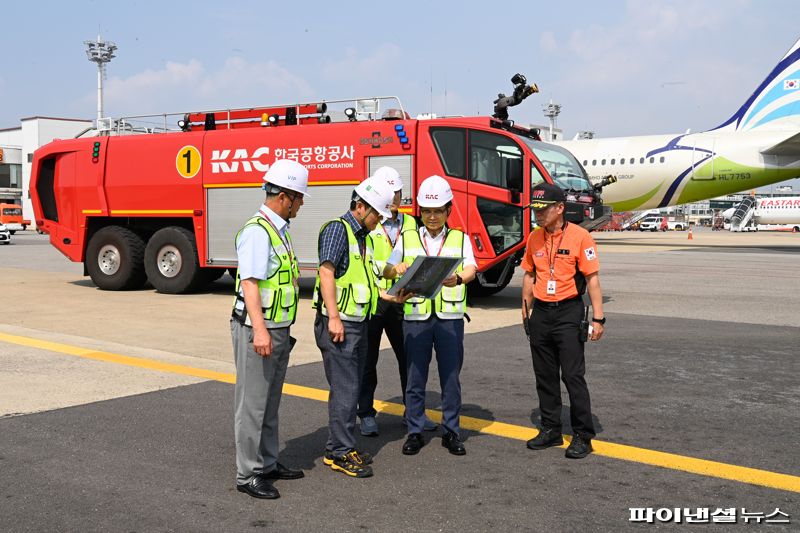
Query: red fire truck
point(146, 201)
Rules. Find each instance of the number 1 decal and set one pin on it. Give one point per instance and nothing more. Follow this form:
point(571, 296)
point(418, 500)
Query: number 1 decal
point(188, 161)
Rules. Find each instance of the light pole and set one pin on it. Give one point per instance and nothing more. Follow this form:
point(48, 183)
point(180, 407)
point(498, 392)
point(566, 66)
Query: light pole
point(100, 52)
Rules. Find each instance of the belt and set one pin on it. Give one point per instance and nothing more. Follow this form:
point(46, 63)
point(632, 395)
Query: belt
point(540, 303)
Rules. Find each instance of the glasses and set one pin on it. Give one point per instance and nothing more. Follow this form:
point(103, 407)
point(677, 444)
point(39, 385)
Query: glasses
point(433, 212)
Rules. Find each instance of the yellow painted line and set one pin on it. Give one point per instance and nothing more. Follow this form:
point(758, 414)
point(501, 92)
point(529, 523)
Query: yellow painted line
point(692, 465)
point(152, 212)
point(92, 211)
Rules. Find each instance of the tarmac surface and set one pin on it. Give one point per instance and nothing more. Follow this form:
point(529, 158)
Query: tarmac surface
point(116, 408)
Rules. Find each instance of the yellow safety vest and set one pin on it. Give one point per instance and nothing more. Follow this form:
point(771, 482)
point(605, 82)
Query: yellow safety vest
point(451, 302)
point(380, 248)
point(279, 292)
point(356, 289)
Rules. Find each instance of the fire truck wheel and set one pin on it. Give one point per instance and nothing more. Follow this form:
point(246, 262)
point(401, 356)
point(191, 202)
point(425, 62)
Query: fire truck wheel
point(170, 260)
point(115, 259)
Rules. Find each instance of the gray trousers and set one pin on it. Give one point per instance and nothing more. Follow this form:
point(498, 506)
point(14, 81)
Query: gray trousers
point(257, 396)
point(344, 364)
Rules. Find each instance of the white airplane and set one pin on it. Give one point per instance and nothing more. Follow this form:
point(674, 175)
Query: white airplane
point(758, 145)
point(781, 211)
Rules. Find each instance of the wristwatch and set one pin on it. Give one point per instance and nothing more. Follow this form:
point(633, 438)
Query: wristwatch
point(599, 320)
point(459, 281)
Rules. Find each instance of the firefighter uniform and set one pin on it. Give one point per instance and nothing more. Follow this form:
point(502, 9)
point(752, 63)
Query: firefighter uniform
point(559, 262)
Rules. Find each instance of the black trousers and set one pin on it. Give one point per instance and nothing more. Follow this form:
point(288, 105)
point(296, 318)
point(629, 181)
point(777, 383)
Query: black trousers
point(556, 347)
point(388, 318)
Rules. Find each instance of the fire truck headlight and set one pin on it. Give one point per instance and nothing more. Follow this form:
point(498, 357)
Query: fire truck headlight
point(274, 120)
point(350, 113)
point(324, 119)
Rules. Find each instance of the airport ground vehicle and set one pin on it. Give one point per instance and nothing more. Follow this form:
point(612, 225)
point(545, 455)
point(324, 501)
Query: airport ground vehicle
point(5, 234)
point(163, 204)
point(11, 216)
point(651, 223)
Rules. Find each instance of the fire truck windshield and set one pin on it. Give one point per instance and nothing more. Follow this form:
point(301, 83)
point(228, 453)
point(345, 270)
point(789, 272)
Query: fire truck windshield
point(561, 165)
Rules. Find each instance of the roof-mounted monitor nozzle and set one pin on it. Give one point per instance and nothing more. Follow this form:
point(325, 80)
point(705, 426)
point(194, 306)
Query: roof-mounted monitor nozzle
point(521, 91)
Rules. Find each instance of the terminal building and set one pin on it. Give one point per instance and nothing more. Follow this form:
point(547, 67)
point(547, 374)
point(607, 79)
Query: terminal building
point(17, 145)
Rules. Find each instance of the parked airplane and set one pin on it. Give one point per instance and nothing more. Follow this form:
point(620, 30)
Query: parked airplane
point(782, 211)
point(758, 145)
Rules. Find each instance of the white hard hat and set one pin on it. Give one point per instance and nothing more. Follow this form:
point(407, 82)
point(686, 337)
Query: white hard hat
point(434, 192)
point(377, 193)
point(288, 174)
point(391, 176)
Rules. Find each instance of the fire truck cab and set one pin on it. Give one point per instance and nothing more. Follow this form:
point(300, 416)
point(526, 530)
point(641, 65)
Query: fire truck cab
point(160, 203)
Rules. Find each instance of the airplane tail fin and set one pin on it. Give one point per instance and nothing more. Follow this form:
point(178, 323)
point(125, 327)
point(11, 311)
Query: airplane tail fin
point(775, 104)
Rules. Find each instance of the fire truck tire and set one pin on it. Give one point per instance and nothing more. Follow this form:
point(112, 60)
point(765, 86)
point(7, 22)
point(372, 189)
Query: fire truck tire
point(170, 260)
point(115, 259)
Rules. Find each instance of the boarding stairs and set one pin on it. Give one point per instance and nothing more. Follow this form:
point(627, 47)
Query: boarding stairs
point(639, 215)
point(743, 214)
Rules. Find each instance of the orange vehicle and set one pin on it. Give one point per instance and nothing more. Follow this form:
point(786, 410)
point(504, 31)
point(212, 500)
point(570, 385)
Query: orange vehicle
point(11, 216)
point(163, 204)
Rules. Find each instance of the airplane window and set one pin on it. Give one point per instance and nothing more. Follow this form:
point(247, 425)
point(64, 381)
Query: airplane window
point(662, 159)
point(585, 162)
point(641, 160)
point(631, 161)
point(613, 161)
point(594, 162)
point(603, 162)
point(652, 159)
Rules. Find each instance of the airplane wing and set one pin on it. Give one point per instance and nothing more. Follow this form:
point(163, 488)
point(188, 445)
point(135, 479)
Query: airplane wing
point(789, 146)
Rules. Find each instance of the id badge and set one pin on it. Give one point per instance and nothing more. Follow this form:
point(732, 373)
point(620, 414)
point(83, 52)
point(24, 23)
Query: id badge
point(551, 287)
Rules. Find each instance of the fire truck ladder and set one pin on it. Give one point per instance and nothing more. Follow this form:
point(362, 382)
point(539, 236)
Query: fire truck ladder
point(351, 109)
point(743, 214)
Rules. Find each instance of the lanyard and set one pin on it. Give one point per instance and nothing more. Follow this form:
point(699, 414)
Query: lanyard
point(425, 243)
point(286, 242)
point(551, 257)
point(392, 242)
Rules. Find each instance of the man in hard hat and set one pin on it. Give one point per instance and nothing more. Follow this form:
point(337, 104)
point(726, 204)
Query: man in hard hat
point(560, 263)
point(438, 322)
point(345, 296)
point(264, 309)
point(388, 316)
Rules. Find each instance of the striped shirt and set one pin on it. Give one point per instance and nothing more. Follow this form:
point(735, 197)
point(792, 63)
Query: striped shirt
point(332, 244)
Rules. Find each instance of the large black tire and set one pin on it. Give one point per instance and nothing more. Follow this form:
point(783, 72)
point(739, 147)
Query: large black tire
point(171, 261)
point(115, 259)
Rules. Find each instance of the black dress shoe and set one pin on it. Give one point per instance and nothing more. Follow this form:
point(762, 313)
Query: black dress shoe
point(413, 444)
point(259, 487)
point(281, 472)
point(579, 448)
point(453, 444)
point(546, 438)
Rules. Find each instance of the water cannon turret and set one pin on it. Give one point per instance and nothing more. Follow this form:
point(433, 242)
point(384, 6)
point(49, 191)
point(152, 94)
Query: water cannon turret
point(521, 91)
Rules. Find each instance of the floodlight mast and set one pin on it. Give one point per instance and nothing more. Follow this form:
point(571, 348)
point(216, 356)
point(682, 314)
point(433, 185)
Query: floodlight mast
point(100, 52)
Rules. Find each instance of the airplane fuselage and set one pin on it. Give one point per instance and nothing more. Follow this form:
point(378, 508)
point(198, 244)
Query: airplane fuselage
point(662, 170)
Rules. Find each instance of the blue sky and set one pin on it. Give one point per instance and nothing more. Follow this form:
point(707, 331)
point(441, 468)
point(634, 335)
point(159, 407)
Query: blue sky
point(616, 67)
